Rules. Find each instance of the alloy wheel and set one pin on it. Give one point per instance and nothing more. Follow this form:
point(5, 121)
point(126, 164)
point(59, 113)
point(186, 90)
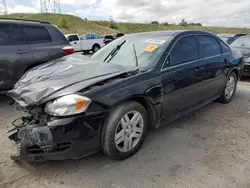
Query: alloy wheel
point(129, 131)
point(230, 87)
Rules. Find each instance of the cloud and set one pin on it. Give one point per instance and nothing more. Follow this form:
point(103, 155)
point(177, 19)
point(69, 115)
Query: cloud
point(228, 13)
point(77, 2)
point(213, 12)
point(22, 9)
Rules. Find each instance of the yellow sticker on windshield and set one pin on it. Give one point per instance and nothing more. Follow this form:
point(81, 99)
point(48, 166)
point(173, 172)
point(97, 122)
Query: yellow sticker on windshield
point(150, 48)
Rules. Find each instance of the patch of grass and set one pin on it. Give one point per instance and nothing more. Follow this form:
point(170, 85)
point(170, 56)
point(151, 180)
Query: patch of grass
point(74, 24)
point(140, 27)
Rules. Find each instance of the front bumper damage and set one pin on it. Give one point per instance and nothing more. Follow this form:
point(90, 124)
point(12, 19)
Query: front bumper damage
point(57, 139)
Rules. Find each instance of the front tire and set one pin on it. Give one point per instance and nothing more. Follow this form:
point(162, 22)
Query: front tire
point(124, 130)
point(229, 90)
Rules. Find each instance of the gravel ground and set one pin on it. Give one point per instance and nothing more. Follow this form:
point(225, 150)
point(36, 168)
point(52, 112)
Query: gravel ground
point(208, 148)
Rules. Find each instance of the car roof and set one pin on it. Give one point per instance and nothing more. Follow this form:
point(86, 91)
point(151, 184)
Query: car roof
point(245, 36)
point(70, 34)
point(23, 21)
point(171, 33)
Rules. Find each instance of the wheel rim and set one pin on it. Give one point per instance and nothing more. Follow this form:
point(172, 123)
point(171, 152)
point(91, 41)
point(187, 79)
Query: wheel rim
point(96, 48)
point(230, 87)
point(129, 131)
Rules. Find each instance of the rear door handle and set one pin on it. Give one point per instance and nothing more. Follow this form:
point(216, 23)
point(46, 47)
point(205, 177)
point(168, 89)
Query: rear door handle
point(225, 60)
point(21, 52)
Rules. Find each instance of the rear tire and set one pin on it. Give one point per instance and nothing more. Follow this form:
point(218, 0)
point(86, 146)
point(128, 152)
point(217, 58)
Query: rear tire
point(124, 130)
point(95, 48)
point(229, 89)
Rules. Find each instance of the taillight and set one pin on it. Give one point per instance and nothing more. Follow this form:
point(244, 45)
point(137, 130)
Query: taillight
point(68, 49)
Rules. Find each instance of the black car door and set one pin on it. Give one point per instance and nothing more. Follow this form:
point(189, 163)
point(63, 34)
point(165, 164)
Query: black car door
point(182, 77)
point(215, 61)
point(40, 42)
point(15, 53)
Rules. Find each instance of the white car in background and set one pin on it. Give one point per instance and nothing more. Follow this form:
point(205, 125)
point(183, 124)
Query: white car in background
point(89, 42)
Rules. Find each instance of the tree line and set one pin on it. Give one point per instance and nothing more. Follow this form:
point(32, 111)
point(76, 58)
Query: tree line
point(182, 23)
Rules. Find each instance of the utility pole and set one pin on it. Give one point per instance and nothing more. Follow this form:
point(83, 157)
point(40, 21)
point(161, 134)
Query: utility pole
point(3, 7)
point(50, 6)
point(57, 6)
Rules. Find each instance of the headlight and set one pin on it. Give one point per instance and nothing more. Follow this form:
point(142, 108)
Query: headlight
point(67, 105)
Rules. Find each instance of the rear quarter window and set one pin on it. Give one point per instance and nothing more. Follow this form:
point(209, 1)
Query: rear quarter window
point(37, 34)
point(57, 37)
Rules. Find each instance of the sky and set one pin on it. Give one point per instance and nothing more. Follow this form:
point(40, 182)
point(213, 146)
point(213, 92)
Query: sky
point(227, 13)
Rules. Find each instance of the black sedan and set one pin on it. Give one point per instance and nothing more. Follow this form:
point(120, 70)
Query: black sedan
point(243, 45)
point(79, 105)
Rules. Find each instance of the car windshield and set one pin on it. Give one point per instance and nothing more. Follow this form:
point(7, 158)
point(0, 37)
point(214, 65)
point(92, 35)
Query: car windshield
point(241, 42)
point(133, 50)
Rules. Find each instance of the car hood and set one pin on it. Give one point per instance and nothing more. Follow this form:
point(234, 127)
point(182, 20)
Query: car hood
point(60, 77)
point(244, 51)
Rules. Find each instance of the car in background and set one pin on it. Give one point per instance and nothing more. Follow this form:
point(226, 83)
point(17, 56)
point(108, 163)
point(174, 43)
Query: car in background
point(225, 37)
point(243, 45)
point(85, 43)
point(109, 38)
point(25, 44)
point(231, 39)
point(81, 105)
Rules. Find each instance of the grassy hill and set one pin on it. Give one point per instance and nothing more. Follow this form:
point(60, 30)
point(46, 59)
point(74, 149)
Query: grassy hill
point(75, 24)
point(140, 27)
point(79, 25)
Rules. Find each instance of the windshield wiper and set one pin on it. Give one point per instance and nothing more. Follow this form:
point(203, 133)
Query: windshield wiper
point(136, 58)
point(114, 51)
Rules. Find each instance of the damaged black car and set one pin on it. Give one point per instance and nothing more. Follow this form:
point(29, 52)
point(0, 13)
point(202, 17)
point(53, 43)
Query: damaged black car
point(80, 105)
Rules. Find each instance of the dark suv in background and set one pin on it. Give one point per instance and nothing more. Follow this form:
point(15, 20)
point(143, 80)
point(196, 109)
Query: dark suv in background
point(25, 44)
point(109, 38)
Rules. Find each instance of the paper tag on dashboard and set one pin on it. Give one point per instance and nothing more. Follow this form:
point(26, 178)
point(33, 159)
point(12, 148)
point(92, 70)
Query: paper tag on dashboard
point(150, 48)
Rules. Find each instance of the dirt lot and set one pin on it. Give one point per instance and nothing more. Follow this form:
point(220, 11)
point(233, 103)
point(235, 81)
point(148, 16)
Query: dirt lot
point(208, 148)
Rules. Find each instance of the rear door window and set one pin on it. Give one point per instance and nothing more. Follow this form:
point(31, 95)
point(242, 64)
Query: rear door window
point(184, 50)
point(209, 46)
point(37, 34)
point(11, 34)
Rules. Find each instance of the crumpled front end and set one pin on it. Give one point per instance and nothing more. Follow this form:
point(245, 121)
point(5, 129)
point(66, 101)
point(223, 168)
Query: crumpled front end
point(60, 84)
point(49, 138)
